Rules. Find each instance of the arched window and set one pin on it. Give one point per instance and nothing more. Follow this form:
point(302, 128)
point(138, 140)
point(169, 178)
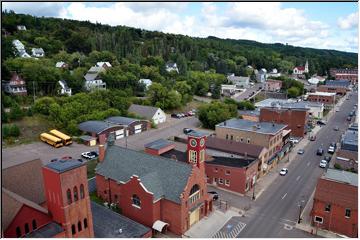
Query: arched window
point(68, 194)
point(27, 230)
point(79, 226)
point(76, 196)
point(34, 225)
point(85, 223)
point(194, 194)
point(136, 200)
point(73, 229)
point(82, 194)
point(18, 232)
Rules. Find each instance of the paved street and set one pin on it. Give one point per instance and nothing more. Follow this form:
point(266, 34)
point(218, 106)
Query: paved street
point(275, 212)
point(248, 92)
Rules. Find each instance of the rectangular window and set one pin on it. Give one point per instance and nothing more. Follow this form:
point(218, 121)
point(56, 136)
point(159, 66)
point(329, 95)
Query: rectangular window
point(227, 182)
point(327, 207)
point(248, 140)
point(347, 212)
point(227, 136)
point(215, 180)
point(202, 155)
point(221, 181)
point(231, 137)
point(241, 139)
point(318, 219)
point(227, 172)
point(193, 156)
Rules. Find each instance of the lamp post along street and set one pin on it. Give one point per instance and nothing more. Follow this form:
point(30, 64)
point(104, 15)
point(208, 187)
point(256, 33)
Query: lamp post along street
point(253, 197)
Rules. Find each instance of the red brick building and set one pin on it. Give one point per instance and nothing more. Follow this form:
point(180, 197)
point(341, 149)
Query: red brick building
point(295, 118)
point(345, 74)
point(237, 174)
point(158, 192)
point(322, 97)
point(335, 205)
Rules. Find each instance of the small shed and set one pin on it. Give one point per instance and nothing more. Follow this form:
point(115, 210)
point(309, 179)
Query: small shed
point(132, 125)
point(159, 147)
point(102, 129)
point(88, 140)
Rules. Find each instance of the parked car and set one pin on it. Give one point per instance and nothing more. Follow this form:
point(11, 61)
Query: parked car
point(95, 153)
point(300, 151)
point(174, 115)
point(333, 144)
point(323, 164)
point(336, 128)
point(321, 122)
point(88, 155)
point(284, 171)
point(337, 110)
point(327, 159)
point(187, 130)
point(320, 151)
point(191, 113)
point(214, 194)
point(293, 140)
point(312, 138)
point(331, 150)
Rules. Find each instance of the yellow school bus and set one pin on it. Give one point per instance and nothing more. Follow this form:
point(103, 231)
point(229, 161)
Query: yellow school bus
point(65, 138)
point(51, 140)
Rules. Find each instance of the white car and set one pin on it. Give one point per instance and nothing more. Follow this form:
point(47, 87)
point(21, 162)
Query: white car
point(331, 150)
point(293, 140)
point(284, 171)
point(323, 163)
point(88, 155)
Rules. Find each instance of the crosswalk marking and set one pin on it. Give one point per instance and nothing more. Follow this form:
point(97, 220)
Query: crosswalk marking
point(234, 232)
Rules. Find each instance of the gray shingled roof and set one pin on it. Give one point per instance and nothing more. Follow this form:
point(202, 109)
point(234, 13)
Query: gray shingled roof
point(338, 83)
point(95, 126)
point(90, 76)
point(159, 144)
point(342, 176)
point(121, 120)
point(246, 125)
point(65, 165)
point(143, 111)
point(107, 224)
point(161, 176)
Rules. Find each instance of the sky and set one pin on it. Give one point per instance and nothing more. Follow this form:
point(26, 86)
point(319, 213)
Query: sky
point(317, 25)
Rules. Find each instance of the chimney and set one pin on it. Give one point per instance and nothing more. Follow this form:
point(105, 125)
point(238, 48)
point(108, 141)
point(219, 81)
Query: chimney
point(101, 153)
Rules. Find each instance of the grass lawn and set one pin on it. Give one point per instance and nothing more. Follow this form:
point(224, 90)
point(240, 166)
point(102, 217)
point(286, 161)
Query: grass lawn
point(30, 129)
point(91, 165)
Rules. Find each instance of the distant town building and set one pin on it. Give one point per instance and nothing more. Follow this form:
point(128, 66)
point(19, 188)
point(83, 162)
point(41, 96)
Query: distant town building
point(345, 74)
point(147, 83)
point(103, 64)
point(93, 80)
point(61, 65)
point(229, 90)
point(349, 140)
point(274, 73)
point(21, 27)
point(171, 67)
point(239, 81)
point(273, 85)
point(20, 49)
point(261, 75)
point(64, 89)
point(347, 160)
point(314, 80)
point(335, 206)
point(154, 114)
point(340, 87)
point(299, 70)
point(322, 97)
point(251, 115)
point(16, 85)
point(37, 52)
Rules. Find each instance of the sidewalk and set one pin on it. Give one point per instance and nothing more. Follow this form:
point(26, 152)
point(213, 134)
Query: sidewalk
point(268, 179)
point(305, 224)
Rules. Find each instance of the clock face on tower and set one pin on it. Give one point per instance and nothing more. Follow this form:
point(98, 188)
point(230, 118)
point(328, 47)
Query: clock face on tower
point(202, 142)
point(193, 142)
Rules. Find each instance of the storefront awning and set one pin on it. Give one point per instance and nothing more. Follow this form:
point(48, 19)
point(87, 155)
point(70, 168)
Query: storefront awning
point(159, 225)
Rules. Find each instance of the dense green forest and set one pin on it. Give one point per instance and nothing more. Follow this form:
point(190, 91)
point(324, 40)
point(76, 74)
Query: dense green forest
point(136, 53)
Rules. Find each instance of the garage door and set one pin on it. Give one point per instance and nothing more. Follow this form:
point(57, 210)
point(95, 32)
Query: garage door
point(137, 128)
point(119, 134)
point(194, 216)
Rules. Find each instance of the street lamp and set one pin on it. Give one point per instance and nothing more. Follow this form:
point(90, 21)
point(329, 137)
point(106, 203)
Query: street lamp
point(300, 205)
point(253, 196)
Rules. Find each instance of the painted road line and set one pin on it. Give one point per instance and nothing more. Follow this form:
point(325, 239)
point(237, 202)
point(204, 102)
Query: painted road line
point(284, 196)
point(297, 179)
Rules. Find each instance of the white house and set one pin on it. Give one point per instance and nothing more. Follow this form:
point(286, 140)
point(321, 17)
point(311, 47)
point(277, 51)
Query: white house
point(172, 67)
point(274, 73)
point(93, 80)
point(241, 82)
point(301, 70)
point(38, 52)
point(261, 75)
point(64, 88)
point(229, 90)
point(103, 64)
point(21, 27)
point(146, 82)
point(150, 113)
point(61, 65)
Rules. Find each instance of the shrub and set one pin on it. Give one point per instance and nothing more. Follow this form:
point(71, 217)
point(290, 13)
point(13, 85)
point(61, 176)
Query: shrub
point(10, 131)
point(337, 166)
point(15, 112)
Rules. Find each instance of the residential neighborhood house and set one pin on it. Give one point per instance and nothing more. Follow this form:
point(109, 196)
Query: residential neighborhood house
point(93, 80)
point(103, 64)
point(239, 81)
point(154, 114)
point(16, 85)
point(37, 52)
point(273, 85)
point(146, 82)
point(171, 67)
point(61, 65)
point(64, 89)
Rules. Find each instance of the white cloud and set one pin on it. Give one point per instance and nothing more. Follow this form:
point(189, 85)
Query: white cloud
point(350, 21)
point(46, 9)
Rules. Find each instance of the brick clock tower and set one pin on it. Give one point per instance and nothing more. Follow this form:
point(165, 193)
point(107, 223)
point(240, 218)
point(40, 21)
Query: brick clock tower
point(67, 195)
point(196, 149)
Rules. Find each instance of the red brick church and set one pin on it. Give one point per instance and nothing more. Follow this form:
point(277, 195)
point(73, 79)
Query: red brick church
point(159, 192)
point(56, 204)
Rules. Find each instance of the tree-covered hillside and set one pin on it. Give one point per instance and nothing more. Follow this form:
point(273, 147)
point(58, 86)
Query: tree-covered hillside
point(190, 53)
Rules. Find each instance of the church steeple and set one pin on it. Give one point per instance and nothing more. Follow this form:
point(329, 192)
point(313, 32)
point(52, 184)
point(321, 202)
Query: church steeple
point(306, 66)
